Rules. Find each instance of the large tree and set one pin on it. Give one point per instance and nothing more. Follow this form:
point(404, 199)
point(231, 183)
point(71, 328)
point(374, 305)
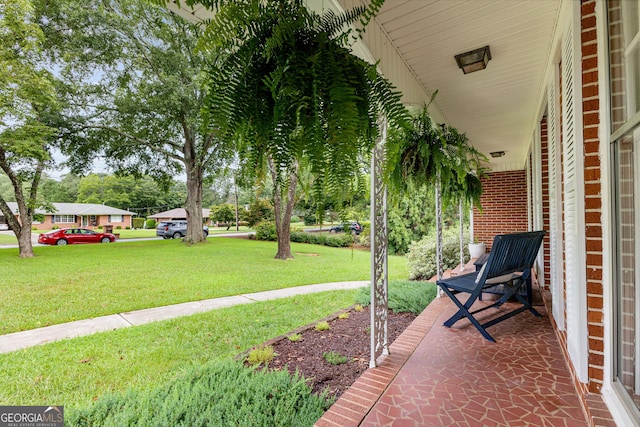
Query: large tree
point(287, 87)
point(136, 87)
point(28, 104)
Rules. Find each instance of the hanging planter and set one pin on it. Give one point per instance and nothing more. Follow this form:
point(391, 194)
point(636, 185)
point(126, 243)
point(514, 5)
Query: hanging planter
point(476, 250)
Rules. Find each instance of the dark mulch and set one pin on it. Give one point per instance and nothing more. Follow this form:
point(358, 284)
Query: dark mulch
point(349, 337)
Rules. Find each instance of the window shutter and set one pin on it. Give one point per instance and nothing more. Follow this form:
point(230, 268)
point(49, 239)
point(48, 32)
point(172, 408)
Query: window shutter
point(555, 218)
point(573, 207)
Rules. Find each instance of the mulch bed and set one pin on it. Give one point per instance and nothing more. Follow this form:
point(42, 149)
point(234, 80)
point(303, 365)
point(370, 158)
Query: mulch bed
point(349, 337)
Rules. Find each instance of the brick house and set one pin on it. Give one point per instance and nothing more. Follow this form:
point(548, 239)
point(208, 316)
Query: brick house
point(87, 215)
point(560, 98)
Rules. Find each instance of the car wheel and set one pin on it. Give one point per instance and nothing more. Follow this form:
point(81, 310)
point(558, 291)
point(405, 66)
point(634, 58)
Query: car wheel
point(61, 242)
point(105, 240)
point(177, 235)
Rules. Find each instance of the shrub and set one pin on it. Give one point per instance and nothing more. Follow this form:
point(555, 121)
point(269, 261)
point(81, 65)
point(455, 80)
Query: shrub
point(358, 307)
point(422, 256)
point(295, 218)
point(266, 230)
point(55, 227)
point(127, 228)
point(33, 228)
point(340, 241)
point(138, 222)
point(260, 210)
point(99, 227)
point(118, 227)
point(322, 326)
point(294, 337)
point(343, 316)
point(334, 358)
point(310, 219)
point(217, 394)
point(261, 356)
point(150, 223)
point(404, 296)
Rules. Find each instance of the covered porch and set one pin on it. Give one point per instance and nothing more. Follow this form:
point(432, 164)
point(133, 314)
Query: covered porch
point(436, 376)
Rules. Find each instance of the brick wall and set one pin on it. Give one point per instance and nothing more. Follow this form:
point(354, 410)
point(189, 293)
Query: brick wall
point(504, 206)
point(593, 198)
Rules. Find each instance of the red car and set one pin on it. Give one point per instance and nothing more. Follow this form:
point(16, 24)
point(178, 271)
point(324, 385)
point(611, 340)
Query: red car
point(69, 236)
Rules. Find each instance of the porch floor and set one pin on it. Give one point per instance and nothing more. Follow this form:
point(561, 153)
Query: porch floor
point(438, 376)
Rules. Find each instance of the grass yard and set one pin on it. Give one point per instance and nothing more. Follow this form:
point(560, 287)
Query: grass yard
point(67, 283)
point(74, 372)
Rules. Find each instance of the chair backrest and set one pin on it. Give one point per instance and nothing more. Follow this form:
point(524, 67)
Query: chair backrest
point(511, 253)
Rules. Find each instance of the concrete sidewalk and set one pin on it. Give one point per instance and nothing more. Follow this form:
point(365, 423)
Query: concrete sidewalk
point(24, 339)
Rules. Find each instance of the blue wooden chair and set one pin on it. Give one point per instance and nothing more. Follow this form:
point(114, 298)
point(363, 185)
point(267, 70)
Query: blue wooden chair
point(506, 271)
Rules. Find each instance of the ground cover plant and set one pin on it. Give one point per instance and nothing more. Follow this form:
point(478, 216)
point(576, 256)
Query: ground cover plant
point(76, 372)
point(83, 281)
point(218, 394)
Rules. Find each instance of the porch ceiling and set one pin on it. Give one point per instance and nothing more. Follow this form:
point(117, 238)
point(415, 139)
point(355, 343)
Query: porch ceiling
point(495, 107)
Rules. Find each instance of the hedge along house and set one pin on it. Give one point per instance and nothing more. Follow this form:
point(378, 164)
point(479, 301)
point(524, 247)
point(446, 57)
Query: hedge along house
point(559, 103)
point(87, 215)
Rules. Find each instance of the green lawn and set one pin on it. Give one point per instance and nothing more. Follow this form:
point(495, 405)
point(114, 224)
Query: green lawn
point(74, 372)
point(63, 284)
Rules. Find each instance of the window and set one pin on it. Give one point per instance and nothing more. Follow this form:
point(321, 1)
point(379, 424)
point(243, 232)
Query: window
point(115, 218)
point(624, 69)
point(64, 219)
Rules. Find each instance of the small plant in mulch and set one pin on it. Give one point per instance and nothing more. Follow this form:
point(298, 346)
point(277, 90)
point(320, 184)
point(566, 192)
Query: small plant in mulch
point(358, 308)
point(294, 337)
point(261, 356)
point(322, 326)
point(334, 358)
point(343, 316)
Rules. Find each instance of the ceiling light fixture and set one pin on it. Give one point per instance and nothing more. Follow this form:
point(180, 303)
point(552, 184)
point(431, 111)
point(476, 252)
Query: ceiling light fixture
point(495, 154)
point(474, 60)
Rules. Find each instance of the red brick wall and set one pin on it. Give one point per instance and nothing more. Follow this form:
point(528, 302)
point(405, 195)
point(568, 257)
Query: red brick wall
point(593, 198)
point(504, 206)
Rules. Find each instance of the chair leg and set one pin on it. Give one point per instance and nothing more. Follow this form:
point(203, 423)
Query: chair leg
point(463, 311)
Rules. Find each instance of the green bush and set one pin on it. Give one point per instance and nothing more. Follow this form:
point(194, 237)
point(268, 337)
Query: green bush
point(404, 296)
point(218, 394)
point(150, 223)
point(99, 227)
point(295, 218)
point(266, 230)
point(422, 256)
point(138, 222)
point(127, 228)
point(260, 210)
point(118, 227)
point(338, 241)
point(55, 227)
point(310, 219)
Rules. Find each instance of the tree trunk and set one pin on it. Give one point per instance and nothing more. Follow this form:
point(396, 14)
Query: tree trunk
point(193, 204)
point(26, 207)
point(283, 201)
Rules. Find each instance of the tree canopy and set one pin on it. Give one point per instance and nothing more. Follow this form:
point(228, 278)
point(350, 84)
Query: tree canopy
point(136, 87)
point(28, 105)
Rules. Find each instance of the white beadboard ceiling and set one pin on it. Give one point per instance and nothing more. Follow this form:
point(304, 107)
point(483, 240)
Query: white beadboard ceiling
point(495, 107)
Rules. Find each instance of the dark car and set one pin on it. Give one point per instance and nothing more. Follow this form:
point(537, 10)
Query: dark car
point(69, 236)
point(175, 229)
point(354, 226)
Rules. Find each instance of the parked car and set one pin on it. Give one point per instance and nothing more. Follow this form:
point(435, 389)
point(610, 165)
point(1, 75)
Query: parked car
point(69, 236)
point(175, 229)
point(354, 226)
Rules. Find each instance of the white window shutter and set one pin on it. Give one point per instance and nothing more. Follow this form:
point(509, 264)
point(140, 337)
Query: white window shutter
point(555, 200)
point(576, 295)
